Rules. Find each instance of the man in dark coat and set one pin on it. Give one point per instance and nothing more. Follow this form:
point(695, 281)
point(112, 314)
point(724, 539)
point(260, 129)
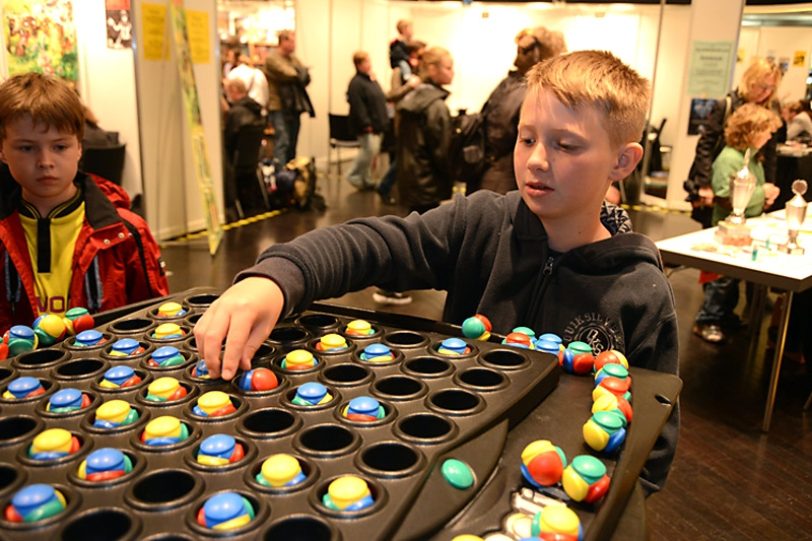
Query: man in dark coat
point(243, 111)
point(368, 119)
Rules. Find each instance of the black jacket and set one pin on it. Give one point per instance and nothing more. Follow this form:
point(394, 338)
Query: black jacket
point(712, 141)
point(241, 113)
point(501, 115)
point(367, 105)
point(490, 253)
point(424, 135)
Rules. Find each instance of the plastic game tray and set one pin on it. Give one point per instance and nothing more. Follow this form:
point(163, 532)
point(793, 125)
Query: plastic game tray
point(435, 406)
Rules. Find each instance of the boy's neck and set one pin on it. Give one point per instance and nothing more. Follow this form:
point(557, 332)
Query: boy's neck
point(45, 205)
point(565, 234)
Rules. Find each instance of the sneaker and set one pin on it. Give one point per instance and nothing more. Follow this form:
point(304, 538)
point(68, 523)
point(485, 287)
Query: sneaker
point(709, 332)
point(382, 296)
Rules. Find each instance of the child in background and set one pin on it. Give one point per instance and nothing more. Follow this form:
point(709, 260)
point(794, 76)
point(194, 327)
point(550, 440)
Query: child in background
point(551, 256)
point(750, 126)
point(66, 239)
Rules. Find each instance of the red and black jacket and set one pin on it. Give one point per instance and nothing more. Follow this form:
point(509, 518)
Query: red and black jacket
point(116, 260)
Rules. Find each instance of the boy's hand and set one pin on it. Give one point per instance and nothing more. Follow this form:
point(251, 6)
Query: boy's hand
point(706, 196)
point(771, 192)
point(243, 316)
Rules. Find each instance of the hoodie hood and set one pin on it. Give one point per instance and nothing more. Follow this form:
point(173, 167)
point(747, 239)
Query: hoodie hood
point(421, 97)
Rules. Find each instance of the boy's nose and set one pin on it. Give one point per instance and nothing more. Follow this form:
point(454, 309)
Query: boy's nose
point(538, 158)
point(45, 159)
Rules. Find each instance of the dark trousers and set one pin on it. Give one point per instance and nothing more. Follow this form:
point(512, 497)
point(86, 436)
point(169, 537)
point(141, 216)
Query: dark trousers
point(286, 125)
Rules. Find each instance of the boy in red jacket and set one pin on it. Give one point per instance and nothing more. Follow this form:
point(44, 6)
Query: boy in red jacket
point(66, 239)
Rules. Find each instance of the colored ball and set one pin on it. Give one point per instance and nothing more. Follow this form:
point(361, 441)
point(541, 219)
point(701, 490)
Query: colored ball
point(166, 389)
point(610, 402)
point(20, 339)
point(126, 347)
point(526, 330)
point(585, 479)
point(577, 358)
point(332, 342)
point(163, 431)
point(377, 353)
point(50, 329)
point(280, 470)
point(67, 400)
point(365, 409)
point(89, 339)
point(214, 404)
point(311, 393)
point(78, 319)
point(453, 347)
point(543, 463)
point(359, 327)
point(610, 356)
point(119, 377)
point(613, 371)
point(53, 444)
point(477, 327)
point(219, 450)
point(23, 387)
point(170, 309)
point(226, 511)
point(550, 343)
point(519, 339)
point(33, 503)
point(168, 331)
point(104, 464)
point(257, 380)
point(557, 523)
point(299, 359)
point(166, 357)
point(115, 414)
point(201, 370)
point(615, 386)
point(348, 493)
point(605, 431)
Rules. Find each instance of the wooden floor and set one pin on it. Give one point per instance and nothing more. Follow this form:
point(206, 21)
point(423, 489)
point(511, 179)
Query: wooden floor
point(729, 480)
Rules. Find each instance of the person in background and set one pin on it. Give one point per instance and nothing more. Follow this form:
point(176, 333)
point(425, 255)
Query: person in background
point(254, 81)
point(67, 239)
point(94, 135)
point(758, 85)
point(242, 111)
point(288, 99)
point(750, 127)
point(399, 49)
point(552, 256)
point(401, 85)
point(501, 110)
point(368, 119)
point(799, 119)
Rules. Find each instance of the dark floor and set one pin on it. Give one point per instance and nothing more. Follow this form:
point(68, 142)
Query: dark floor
point(729, 480)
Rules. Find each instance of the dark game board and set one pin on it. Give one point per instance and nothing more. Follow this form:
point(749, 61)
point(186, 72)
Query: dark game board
point(480, 408)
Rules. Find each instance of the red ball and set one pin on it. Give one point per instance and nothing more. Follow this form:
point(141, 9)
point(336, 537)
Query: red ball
point(608, 357)
point(3, 351)
point(546, 469)
point(263, 380)
point(583, 363)
point(518, 338)
point(83, 323)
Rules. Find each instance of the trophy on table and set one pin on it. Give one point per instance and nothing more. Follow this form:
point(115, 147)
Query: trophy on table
point(796, 212)
point(733, 230)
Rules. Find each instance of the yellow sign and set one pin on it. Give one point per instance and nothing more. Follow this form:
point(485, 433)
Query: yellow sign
point(197, 25)
point(154, 24)
point(799, 59)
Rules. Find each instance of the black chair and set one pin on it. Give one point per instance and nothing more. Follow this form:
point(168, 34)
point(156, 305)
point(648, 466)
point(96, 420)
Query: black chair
point(245, 173)
point(106, 162)
point(340, 137)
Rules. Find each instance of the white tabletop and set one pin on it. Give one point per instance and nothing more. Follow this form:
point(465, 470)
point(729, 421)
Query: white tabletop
point(766, 265)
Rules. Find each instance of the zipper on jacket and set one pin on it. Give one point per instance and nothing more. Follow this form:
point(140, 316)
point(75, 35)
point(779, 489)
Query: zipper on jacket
point(548, 266)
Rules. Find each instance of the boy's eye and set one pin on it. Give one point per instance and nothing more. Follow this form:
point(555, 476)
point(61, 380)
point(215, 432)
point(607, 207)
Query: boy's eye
point(526, 141)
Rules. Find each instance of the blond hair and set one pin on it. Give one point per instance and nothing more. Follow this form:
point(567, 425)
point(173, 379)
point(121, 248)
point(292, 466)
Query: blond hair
point(358, 57)
point(549, 42)
point(48, 101)
point(601, 80)
point(746, 122)
point(236, 85)
point(757, 73)
point(432, 57)
point(402, 25)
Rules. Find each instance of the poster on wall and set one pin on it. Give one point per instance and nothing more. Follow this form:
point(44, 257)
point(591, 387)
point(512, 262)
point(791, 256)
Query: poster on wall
point(40, 37)
point(191, 105)
point(119, 24)
point(709, 71)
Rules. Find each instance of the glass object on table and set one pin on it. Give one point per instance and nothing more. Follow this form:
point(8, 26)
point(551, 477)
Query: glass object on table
point(732, 230)
point(796, 213)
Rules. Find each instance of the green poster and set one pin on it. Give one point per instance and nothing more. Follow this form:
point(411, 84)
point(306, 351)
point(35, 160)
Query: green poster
point(191, 105)
point(40, 37)
point(709, 74)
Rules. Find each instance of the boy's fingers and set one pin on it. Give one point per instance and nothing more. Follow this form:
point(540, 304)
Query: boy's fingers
point(210, 338)
point(258, 335)
point(238, 333)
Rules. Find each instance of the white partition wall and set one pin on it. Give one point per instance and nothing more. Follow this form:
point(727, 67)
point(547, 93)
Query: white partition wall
point(173, 203)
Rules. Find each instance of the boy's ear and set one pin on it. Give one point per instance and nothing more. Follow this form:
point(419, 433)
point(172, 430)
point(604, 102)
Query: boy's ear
point(628, 156)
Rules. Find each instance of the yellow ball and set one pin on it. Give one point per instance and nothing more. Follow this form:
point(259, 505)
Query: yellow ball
point(114, 411)
point(346, 490)
point(536, 448)
point(163, 387)
point(280, 469)
point(167, 329)
point(213, 401)
point(332, 341)
point(299, 357)
point(169, 309)
point(359, 326)
point(52, 439)
point(559, 519)
point(165, 425)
